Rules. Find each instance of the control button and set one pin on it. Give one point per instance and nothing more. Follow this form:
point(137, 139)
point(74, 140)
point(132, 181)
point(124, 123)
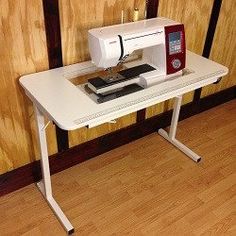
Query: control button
point(176, 63)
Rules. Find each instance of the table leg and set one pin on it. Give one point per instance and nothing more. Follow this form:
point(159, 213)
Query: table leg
point(172, 133)
point(44, 185)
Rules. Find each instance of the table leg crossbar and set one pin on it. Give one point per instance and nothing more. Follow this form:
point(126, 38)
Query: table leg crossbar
point(44, 185)
point(172, 133)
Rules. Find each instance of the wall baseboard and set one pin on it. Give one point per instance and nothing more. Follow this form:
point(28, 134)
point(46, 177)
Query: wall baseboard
point(30, 173)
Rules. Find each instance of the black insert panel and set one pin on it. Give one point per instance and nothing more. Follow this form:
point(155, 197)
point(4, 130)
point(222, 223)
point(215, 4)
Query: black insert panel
point(124, 91)
point(127, 74)
point(136, 71)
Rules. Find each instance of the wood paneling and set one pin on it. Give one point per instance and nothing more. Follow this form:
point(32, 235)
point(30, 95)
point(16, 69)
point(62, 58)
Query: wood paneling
point(144, 188)
point(76, 18)
point(224, 46)
point(195, 16)
point(22, 51)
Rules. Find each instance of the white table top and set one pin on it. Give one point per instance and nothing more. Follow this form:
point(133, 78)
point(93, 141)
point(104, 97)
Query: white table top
point(70, 108)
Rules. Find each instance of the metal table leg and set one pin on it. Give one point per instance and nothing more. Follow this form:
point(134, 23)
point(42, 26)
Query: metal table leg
point(45, 184)
point(172, 133)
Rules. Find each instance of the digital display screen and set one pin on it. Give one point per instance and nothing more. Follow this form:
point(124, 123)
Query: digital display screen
point(175, 42)
point(174, 36)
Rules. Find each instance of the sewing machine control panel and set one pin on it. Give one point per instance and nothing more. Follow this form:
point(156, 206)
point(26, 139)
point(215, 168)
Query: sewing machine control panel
point(175, 48)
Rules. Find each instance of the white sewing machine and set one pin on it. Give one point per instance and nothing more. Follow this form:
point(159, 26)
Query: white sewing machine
point(163, 53)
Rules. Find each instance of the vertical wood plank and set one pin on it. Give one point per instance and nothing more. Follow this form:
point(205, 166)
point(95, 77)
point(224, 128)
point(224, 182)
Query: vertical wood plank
point(152, 8)
point(53, 33)
point(53, 36)
point(23, 51)
point(209, 40)
point(224, 47)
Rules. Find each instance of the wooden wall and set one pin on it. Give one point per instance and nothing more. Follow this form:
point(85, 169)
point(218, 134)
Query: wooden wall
point(23, 50)
point(224, 46)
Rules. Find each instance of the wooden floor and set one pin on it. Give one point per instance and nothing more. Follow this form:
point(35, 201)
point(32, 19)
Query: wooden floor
point(143, 188)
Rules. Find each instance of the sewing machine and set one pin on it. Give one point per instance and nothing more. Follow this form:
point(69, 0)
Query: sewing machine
point(163, 54)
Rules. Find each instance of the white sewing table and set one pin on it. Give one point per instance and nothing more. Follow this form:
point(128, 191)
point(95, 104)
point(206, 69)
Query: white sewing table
point(54, 96)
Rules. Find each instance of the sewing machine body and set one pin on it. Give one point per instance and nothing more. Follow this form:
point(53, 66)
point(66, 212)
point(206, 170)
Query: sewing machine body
point(163, 48)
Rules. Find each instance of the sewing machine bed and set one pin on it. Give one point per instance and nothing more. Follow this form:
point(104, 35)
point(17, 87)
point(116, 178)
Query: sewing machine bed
point(128, 89)
point(71, 108)
point(99, 83)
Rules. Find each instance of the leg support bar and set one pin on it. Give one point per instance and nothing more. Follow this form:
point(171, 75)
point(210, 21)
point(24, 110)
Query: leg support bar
point(172, 133)
point(57, 210)
point(180, 146)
